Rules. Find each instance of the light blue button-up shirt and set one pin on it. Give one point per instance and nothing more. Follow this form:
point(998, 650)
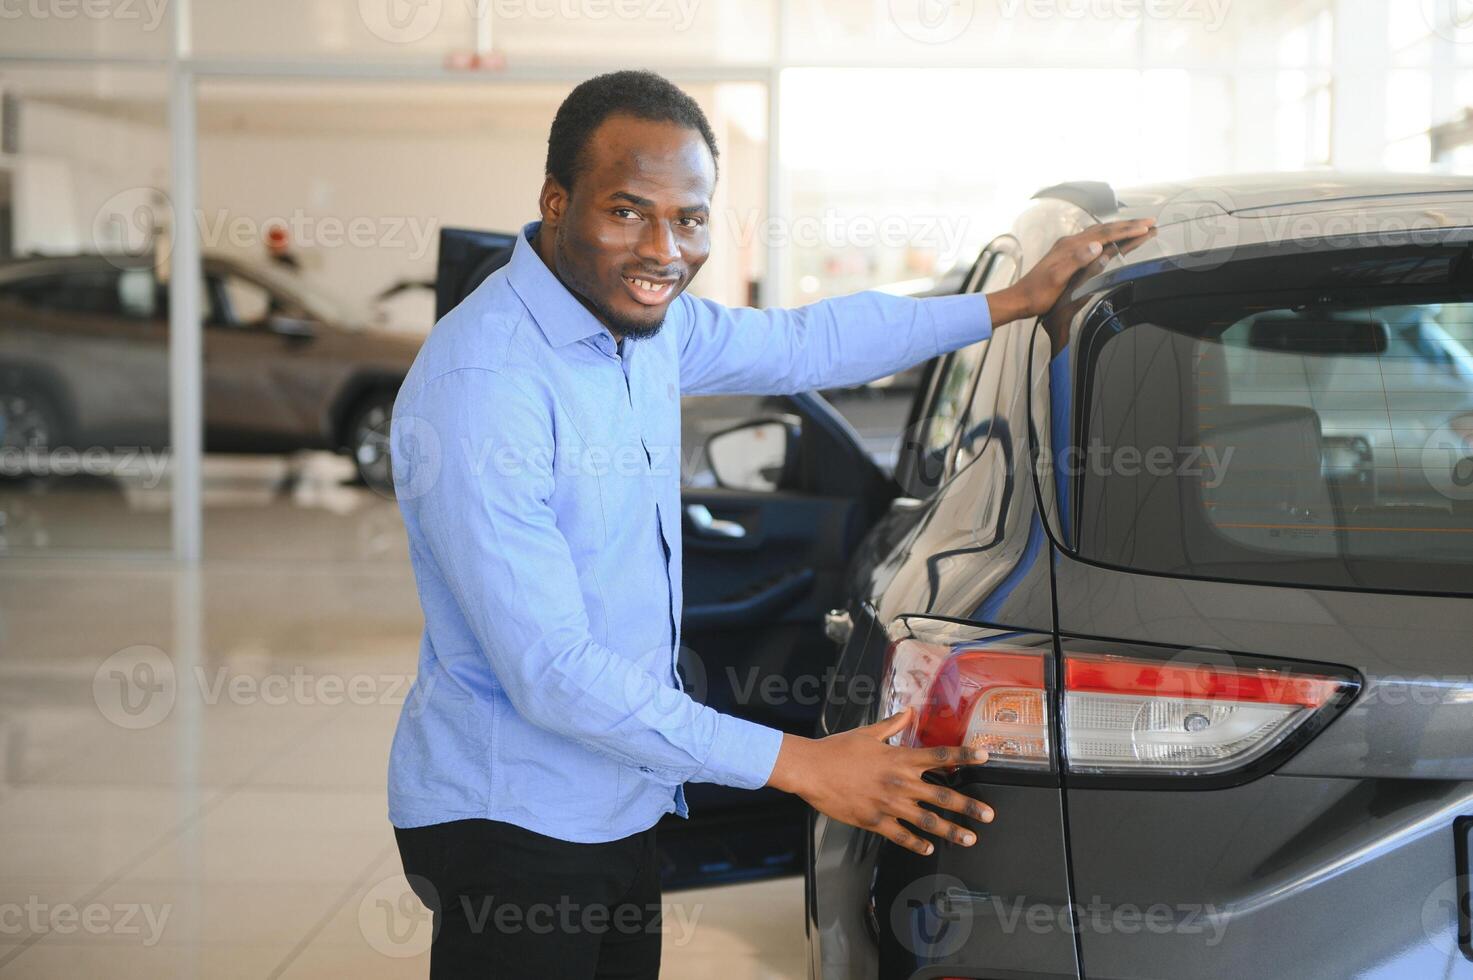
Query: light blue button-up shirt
point(537, 465)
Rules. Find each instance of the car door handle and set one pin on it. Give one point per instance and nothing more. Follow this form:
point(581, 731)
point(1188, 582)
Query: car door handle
point(707, 525)
point(838, 625)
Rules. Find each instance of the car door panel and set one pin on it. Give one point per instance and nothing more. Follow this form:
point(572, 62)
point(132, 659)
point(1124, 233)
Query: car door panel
point(761, 569)
point(973, 551)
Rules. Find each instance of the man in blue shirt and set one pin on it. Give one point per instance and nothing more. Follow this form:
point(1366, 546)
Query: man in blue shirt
point(536, 449)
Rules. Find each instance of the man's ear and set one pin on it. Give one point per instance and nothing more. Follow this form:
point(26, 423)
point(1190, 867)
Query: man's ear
point(552, 202)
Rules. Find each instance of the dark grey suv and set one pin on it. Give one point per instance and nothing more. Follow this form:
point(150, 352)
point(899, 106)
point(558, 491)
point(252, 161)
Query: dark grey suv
point(1192, 557)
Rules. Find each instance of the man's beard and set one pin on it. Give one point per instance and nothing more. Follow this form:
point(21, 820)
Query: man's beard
point(625, 327)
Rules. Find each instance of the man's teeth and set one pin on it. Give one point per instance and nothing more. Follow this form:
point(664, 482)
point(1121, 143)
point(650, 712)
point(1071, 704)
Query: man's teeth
point(647, 285)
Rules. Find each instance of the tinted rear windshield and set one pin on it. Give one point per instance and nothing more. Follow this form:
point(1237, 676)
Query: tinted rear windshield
point(1317, 436)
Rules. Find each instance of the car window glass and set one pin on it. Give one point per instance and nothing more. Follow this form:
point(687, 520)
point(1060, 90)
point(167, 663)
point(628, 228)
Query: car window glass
point(953, 390)
point(701, 418)
point(981, 408)
point(1318, 442)
point(89, 291)
point(248, 304)
point(137, 294)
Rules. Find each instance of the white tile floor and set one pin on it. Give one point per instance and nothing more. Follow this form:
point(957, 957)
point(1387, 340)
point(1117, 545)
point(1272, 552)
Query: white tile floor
point(210, 802)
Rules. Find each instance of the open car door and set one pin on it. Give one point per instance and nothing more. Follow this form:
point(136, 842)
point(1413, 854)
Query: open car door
point(778, 493)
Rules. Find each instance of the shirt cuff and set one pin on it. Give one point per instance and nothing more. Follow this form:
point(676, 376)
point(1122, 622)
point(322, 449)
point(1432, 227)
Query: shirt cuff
point(743, 754)
point(959, 320)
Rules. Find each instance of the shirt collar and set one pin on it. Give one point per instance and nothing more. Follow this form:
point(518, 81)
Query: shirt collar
point(562, 318)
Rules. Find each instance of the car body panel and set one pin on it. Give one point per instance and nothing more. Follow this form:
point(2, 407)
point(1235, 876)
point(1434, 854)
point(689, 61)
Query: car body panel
point(973, 551)
point(1284, 863)
point(1341, 858)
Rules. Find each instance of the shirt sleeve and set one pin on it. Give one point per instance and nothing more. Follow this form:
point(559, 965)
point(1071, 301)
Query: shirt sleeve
point(829, 344)
point(484, 516)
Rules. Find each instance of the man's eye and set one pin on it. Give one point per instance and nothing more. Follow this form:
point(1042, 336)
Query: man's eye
point(623, 212)
point(693, 222)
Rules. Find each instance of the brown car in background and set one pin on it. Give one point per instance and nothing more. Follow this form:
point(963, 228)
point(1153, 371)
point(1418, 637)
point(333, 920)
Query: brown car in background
point(84, 362)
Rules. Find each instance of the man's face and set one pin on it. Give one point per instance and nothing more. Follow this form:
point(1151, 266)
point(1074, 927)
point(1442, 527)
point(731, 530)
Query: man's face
point(635, 229)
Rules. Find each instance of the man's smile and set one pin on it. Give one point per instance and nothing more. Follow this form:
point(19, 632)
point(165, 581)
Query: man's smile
point(650, 291)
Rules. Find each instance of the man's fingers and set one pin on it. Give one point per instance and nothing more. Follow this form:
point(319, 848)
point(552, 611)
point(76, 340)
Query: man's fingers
point(937, 826)
point(898, 833)
point(1136, 242)
point(947, 756)
point(950, 799)
point(1114, 231)
point(894, 725)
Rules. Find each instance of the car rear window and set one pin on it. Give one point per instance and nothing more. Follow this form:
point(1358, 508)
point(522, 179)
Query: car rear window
point(1310, 437)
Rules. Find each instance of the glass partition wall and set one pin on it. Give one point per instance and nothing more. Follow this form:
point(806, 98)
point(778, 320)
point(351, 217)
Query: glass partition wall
point(319, 145)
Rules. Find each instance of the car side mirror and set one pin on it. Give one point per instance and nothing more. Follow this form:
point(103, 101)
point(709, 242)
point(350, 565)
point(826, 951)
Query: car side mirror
point(291, 326)
point(760, 455)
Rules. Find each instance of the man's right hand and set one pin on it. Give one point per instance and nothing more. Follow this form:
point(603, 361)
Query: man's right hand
point(859, 778)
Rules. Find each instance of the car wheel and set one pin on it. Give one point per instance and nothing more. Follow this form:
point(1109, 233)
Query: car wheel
point(368, 441)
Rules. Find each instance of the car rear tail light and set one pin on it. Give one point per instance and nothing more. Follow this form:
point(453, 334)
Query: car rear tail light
point(981, 691)
point(1122, 714)
point(1127, 714)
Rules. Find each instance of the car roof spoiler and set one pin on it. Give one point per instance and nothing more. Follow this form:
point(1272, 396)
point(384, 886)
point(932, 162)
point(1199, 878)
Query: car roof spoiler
point(1094, 196)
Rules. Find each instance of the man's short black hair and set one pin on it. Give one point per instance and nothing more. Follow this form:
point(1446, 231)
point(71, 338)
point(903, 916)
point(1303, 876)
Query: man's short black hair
point(642, 94)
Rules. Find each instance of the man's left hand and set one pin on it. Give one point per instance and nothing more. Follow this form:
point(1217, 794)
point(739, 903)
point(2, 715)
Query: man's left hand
point(1037, 292)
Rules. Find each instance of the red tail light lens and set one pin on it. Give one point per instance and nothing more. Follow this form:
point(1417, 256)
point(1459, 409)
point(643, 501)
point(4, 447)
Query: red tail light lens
point(1129, 715)
point(982, 688)
point(1122, 714)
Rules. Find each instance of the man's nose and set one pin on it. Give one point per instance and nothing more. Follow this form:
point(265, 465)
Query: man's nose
point(657, 245)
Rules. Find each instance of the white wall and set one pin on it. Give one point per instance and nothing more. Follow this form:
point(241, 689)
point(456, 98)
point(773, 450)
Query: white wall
point(80, 173)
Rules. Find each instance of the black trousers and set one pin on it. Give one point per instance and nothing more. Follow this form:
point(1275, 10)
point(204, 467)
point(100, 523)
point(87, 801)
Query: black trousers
point(509, 903)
